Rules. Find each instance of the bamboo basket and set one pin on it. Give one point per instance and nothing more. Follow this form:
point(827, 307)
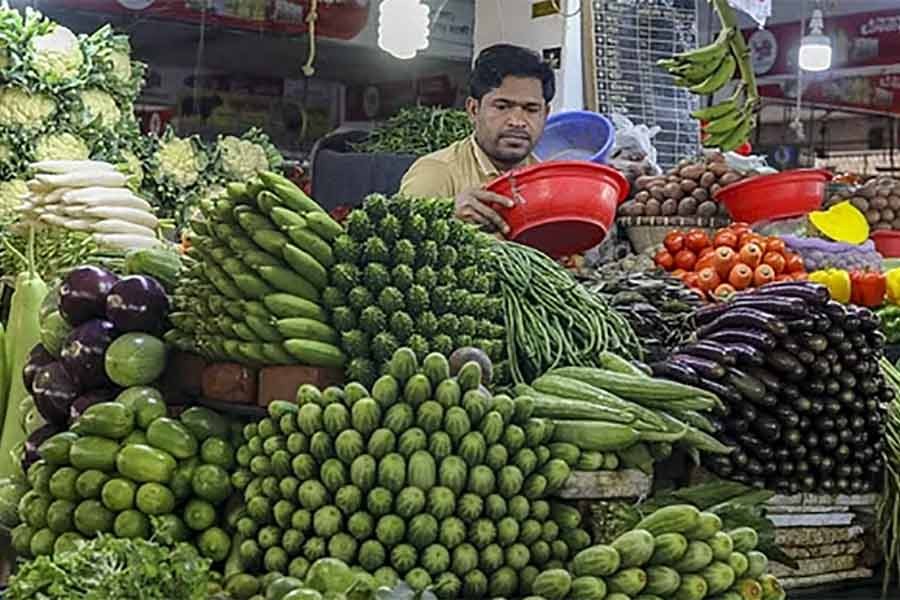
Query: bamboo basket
point(646, 233)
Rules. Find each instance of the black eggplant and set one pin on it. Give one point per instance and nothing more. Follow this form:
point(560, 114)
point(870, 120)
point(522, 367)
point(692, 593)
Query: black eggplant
point(832, 386)
point(827, 465)
point(782, 362)
point(852, 324)
point(829, 441)
point(703, 367)
point(786, 416)
point(820, 367)
point(805, 356)
point(754, 337)
point(815, 342)
point(782, 306)
point(817, 406)
point(743, 318)
point(726, 393)
point(835, 310)
point(814, 386)
point(804, 324)
point(824, 423)
point(769, 379)
point(675, 371)
point(750, 388)
point(811, 293)
point(718, 353)
point(737, 425)
point(767, 428)
point(754, 468)
point(789, 391)
point(822, 324)
point(711, 312)
point(747, 354)
point(833, 407)
point(802, 404)
point(789, 345)
point(804, 424)
point(793, 438)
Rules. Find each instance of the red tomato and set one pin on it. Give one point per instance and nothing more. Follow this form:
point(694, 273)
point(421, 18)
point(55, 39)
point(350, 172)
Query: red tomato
point(763, 274)
point(706, 252)
point(794, 263)
point(664, 259)
point(774, 244)
point(685, 260)
point(724, 291)
point(697, 240)
point(751, 255)
point(744, 149)
point(725, 259)
point(752, 238)
point(726, 238)
point(784, 277)
point(776, 261)
point(691, 280)
point(708, 260)
point(741, 276)
point(674, 242)
point(739, 228)
point(709, 279)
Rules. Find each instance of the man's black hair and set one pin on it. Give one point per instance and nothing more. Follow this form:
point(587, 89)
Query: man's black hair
point(496, 63)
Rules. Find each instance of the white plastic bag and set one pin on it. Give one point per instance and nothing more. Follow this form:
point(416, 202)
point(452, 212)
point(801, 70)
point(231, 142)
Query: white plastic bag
point(634, 144)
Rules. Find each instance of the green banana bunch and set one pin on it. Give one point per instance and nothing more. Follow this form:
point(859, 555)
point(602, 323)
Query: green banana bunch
point(705, 70)
point(730, 129)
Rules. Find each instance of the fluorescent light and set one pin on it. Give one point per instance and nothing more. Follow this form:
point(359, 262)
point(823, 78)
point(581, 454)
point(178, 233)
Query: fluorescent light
point(815, 48)
point(403, 27)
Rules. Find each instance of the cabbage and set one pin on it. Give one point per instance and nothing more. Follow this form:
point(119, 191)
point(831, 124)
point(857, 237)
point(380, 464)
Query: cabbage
point(57, 55)
point(180, 161)
point(21, 108)
point(99, 108)
point(61, 146)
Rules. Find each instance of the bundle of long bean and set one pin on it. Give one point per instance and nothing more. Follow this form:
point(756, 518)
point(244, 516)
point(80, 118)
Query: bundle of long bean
point(889, 501)
point(420, 130)
point(551, 319)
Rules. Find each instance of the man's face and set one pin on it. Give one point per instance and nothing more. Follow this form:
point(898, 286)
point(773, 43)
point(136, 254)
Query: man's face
point(510, 119)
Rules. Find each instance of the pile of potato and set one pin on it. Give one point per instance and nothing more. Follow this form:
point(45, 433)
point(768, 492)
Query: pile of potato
point(878, 199)
point(685, 190)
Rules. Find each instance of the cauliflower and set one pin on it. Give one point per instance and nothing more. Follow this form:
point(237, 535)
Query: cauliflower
point(61, 146)
point(242, 159)
point(120, 66)
point(22, 109)
point(57, 55)
point(11, 194)
point(131, 165)
point(180, 161)
point(100, 108)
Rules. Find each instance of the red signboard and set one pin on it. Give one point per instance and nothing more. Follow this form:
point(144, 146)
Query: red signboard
point(861, 40)
point(880, 93)
point(341, 19)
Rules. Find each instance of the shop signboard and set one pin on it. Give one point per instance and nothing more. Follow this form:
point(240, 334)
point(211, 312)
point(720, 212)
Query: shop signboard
point(878, 93)
point(340, 19)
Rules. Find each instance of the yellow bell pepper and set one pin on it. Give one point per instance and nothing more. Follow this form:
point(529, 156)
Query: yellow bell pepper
point(892, 278)
point(837, 281)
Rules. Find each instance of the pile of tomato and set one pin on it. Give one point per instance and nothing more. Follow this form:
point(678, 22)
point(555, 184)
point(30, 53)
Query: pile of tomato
point(734, 259)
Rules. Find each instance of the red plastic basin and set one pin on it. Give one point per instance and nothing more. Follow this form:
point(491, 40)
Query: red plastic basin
point(776, 196)
point(887, 243)
point(562, 207)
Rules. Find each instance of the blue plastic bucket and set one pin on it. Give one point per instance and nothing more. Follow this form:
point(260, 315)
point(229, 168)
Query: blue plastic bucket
point(576, 135)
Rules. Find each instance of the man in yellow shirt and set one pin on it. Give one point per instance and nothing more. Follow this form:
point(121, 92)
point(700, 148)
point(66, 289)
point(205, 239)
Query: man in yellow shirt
point(510, 90)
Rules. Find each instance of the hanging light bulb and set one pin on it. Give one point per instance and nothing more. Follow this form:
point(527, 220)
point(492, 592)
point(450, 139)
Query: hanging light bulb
point(815, 48)
point(403, 27)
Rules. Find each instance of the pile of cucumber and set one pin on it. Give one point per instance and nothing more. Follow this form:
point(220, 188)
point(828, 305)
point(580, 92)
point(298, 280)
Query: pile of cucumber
point(257, 264)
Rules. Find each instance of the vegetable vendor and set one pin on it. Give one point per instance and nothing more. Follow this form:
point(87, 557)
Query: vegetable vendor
point(510, 90)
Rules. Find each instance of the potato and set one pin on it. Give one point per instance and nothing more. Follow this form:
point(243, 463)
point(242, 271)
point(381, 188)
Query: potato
point(722, 211)
point(860, 203)
point(716, 157)
point(652, 208)
point(883, 226)
point(729, 178)
point(719, 168)
point(642, 196)
point(673, 179)
point(884, 190)
point(694, 171)
point(873, 216)
point(707, 179)
point(879, 202)
point(688, 185)
point(669, 207)
point(895, 224)
point(658, 192)
point(687, 207)
point(707, 209)
point(673, 190)
point(714, 189)
point(700, 194)
point(867, 192)
point(894, 202)
point(888, 215)
point(647, 181)
point(632, 209)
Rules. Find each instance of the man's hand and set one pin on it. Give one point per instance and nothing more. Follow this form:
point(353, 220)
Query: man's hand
point(474, 206)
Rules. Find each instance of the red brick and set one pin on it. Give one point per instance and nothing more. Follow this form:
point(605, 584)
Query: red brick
point(281, 383)
point(230, 382)
point(183, 378)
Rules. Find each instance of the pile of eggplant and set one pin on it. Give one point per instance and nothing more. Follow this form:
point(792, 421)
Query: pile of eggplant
point(802, 390)
point(656, 305)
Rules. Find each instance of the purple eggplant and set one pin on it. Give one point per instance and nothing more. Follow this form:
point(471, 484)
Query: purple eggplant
point(744, 317)
point(84, 352)
point(54, 390)
point(88, 399)
point(82, 295)
point(37, 358)
point(811, 293)
point(34, 441)
point(137, 303)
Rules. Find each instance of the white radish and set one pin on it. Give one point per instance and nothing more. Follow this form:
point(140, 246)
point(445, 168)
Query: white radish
point(67, 223)
point(120, 226)
point(122, 199)
point(125, 241)
point(82, 179)
point(74, 210)
point(39, 187)
point(131, 215)
point(60, 167)
point(54, 197)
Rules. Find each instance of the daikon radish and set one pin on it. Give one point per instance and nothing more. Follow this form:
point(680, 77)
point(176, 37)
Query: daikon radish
point(83, 179)
point(126, 214)
point(125, 241)
point(74, 210)
point(54, 197)
point(67, 223)
point(123, 199)
point(39, 187)
point(60, 167)
point(120, 226)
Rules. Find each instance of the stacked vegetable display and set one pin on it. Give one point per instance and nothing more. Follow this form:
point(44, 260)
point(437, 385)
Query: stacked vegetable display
point(675, 552)
point(619, 415)
point(889, 501)
point(255, 290)
point(428, 478)
point(734, 259)
point(657, 306)
point(91, 197)
point(800, 378)
point(879, 201)
point(408, 274)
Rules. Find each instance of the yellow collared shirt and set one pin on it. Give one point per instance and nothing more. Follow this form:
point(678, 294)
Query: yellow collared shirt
point(444, 174)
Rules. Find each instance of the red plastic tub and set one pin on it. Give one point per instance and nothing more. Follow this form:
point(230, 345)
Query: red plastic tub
point(887, 243)
point(562, 207)
point(776, 196)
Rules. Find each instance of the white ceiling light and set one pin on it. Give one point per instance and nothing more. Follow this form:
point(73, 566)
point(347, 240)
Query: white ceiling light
point(815, 48)
point(403, 27)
